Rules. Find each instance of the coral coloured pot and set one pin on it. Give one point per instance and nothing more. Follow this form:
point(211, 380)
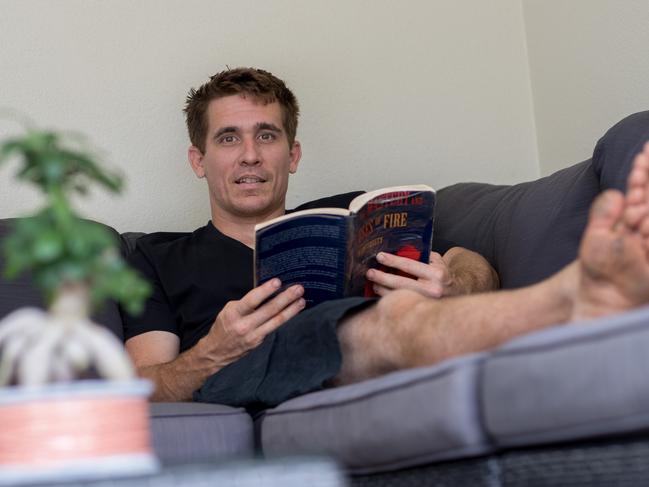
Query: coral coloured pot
point(78, 430)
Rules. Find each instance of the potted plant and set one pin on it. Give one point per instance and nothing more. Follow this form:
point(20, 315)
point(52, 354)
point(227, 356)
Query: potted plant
point(70, 405)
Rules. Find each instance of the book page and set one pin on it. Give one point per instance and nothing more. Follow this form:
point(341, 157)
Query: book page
point(357, 203)
point(301, 213)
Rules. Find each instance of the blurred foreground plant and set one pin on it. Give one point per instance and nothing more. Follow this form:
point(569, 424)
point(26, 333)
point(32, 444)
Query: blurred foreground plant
point(76, 263)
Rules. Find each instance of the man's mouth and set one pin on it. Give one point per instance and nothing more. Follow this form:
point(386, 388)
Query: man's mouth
point(249, 180)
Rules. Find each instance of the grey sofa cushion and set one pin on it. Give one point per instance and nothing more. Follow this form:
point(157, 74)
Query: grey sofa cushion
point(569, 382)
point(615, 151)
point(402, 419)
point(21, 292)
point(186, 431)
point(529, 231)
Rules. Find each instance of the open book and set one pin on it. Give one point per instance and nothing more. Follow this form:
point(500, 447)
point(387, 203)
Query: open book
point(329, 250)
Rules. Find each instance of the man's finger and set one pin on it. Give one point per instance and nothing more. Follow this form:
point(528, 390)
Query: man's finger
point(275, 306)
point(280, 318)
point(253, 299)
point(404, 264)
point(392, 281)
point(381, 290)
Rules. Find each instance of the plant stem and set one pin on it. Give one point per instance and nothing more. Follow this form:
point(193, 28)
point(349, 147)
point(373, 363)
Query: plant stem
point(71, 302)
point(60, 206)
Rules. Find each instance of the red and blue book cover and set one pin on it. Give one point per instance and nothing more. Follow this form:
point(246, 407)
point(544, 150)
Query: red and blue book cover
point(329, 250)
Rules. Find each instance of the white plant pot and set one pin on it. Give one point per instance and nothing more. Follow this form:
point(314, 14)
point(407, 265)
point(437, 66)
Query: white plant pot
point(78, 430)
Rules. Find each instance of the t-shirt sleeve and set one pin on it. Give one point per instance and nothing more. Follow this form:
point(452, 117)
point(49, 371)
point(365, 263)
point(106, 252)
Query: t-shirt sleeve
point(157, 314)
point(337, 201)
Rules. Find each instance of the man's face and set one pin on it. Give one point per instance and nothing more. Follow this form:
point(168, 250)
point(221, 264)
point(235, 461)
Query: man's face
point(247, 159)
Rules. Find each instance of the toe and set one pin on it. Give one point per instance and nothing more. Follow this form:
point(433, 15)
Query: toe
point(606, 210)
point(634, 215)
point(644, 228)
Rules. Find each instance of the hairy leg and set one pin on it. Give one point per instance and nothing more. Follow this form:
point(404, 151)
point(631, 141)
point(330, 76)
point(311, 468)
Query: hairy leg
point(610, 275)
point(405, 329)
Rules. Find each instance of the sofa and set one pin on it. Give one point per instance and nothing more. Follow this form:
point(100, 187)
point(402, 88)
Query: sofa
point(568, 405)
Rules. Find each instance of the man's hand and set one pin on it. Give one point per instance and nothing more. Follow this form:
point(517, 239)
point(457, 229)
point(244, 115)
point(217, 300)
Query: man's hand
point(433, 280)
point(459, 271)
point(242, 325)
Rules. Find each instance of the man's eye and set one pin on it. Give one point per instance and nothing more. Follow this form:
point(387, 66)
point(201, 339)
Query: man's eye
point(267, 136)
point(227, 139)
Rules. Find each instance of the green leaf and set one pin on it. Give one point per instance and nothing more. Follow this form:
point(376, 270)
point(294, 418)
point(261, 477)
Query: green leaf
point(47, 247)
point(55, 244)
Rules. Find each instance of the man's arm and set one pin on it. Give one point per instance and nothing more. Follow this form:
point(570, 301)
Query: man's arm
point(459, 271)
point(175, 376)
point(241, 326)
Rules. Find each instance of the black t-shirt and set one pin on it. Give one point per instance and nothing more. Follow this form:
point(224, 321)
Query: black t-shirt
point(195, 274)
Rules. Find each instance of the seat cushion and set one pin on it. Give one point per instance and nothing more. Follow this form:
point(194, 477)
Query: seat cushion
point(406, 418)
point(194, 432)
point(570, 382)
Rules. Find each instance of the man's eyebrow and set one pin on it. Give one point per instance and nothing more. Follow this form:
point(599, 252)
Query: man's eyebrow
point(224, 130)
point(268, 126)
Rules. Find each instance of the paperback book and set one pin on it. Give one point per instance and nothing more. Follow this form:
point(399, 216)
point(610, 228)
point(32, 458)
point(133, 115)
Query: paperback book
point(329, 250)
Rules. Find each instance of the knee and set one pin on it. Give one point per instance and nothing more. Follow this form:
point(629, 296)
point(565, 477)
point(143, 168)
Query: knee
point(398, 305)
point(407, 319)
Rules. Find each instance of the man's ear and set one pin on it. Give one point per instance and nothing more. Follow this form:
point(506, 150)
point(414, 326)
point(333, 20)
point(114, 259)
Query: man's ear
point(295, 155)
point(195, 157)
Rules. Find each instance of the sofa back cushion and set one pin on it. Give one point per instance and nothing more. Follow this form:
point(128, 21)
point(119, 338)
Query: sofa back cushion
point(21, 292)
point(616, 150)
point(529, 231)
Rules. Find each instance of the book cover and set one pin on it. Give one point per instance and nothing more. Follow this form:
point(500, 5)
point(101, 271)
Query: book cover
point(396, 220)
point(328, 250)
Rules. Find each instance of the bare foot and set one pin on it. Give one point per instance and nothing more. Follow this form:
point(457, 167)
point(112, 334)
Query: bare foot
point(614, 252)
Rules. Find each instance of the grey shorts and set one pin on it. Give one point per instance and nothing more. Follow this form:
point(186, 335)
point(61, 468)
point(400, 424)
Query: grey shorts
point(299, 357)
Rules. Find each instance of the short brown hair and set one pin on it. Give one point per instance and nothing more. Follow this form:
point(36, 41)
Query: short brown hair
point(257, 83)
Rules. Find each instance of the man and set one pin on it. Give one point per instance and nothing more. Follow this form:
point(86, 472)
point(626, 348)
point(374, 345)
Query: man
point(205, 330)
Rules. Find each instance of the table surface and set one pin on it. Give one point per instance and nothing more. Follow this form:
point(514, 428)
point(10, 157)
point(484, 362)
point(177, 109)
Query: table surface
point(288, 472)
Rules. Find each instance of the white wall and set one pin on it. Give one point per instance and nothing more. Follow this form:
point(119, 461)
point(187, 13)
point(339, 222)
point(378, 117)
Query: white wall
point(589, 65)
point(431, 91)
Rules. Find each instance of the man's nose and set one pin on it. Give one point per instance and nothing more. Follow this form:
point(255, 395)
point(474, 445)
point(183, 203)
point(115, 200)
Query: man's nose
point(250, 155)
